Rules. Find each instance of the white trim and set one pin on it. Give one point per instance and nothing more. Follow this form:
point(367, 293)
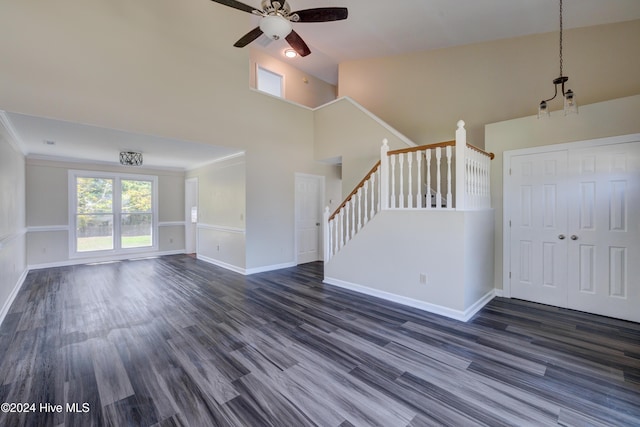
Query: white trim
point(222, 264)
point(45, 228)
point(460, 315)
point(15, 141)
point(272, 267)
point(13, 295)
point(218, 160)
point(224, 228)
point(506, 165)
point(119, 257)
point(171, 223)
point(244, 271)
point(7, 238)
point(499, 293)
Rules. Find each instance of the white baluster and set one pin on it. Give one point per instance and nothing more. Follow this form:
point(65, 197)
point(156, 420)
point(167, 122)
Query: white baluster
point(401, 177)
point(336, 238)
point(365, 212)
point(384, 175)
point(359, 208)
point(428, 153)
point(348, 236)
point(373, 195)
point(438, 179)
point(393, 180)
point(419, 170)
point(449, 196)
point(410, 183)
point(353, 215)
point(341, 227)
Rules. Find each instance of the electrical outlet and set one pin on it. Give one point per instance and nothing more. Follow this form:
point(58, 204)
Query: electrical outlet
point(423, 278)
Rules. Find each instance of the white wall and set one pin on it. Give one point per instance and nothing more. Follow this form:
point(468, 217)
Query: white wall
point(47, 209)
point(13, 266)
point(388, 255)
point(599, 120)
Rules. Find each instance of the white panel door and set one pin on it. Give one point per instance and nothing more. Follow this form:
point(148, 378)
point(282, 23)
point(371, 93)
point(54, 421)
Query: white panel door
point(538, 262)
point(308, 217)
point(604, 244)
point(574, 235)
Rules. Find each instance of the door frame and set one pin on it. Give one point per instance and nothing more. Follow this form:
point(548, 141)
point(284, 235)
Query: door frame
point(321, 198)
point(506, 203)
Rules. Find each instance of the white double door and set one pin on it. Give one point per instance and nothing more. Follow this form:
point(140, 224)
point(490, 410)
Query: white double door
point(574, 234)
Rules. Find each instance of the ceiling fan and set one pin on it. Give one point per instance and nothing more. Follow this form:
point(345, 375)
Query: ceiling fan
point(277, 18)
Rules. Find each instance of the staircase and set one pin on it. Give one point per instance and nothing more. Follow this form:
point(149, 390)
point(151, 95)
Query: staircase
point(418, 230)
point(450, 175)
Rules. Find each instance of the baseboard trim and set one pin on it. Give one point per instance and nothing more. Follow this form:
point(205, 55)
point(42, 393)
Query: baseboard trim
point(245, 271)
point(461, 315)
point(222, 264)
point(13, 295)
point(272, 267)
point(124, 257)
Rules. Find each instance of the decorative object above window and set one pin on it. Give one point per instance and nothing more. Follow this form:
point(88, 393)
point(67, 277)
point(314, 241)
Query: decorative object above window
point(130, 158)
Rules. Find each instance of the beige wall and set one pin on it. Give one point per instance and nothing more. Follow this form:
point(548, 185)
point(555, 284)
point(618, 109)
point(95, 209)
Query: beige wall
point(13, 265)
point(346, 133)
point(599, 120)
point(113, 64)
point(424, 94)
point(222, 211)
point(47, 207)
point(299, 86)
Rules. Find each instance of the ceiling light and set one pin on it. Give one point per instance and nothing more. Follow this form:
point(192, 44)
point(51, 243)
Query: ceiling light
point(275, 26)
point(130, 158)
point(290, 53)
point(570, 105)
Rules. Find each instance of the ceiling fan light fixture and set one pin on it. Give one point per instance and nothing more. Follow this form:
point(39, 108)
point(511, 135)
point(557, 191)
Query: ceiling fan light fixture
point(275, 27)
point(290, 53)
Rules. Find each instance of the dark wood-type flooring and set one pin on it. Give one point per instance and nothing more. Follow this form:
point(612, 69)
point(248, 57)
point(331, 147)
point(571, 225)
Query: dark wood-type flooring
point(174, 341)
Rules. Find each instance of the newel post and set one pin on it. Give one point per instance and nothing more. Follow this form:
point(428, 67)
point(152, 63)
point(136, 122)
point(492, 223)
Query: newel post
point(384, 175)
point(326, 234)
point(461, 147)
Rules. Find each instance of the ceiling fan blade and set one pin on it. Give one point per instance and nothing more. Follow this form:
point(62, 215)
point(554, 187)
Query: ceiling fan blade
point(236, 5)
point(249, 37)
point(298, 44)
point(322, 14)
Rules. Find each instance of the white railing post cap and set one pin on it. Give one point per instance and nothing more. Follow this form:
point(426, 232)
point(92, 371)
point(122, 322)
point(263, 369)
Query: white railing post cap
point(460, 124)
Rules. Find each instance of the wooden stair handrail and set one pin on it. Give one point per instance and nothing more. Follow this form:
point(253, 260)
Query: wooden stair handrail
point(481, 151)
point(422, 147)
point(355, 190)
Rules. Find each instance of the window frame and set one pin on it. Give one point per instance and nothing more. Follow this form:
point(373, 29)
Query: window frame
point(116, 212)
point(259, 69)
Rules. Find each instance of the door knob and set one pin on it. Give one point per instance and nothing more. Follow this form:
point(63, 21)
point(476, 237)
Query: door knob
point(561, 237)
point(574, 237)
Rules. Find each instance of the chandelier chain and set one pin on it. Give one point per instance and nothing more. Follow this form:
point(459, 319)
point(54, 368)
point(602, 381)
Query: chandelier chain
point(560, 38)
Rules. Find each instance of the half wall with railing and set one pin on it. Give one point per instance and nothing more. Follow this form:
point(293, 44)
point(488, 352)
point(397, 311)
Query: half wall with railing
point(450, 175)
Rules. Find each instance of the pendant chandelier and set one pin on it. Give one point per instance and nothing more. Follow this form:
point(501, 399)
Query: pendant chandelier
point(570, 105)
point(130, 158)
